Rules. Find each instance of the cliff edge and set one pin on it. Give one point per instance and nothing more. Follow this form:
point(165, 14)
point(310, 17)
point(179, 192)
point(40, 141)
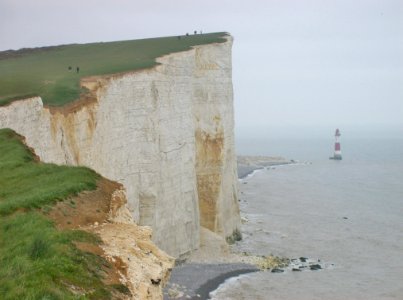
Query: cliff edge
point(66, 233)
point(165, 133)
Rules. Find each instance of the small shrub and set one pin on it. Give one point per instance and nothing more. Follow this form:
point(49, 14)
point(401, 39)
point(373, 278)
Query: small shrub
point(122, 289)
point(38, 249)
point(234, 237)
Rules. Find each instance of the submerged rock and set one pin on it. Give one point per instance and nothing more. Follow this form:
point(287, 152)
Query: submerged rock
point(277, 270)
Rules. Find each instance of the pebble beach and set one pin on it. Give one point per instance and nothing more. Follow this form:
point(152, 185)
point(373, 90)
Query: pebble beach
point(215, 262)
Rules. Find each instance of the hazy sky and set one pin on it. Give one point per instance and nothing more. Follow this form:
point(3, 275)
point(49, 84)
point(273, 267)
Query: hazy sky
point(297, 65)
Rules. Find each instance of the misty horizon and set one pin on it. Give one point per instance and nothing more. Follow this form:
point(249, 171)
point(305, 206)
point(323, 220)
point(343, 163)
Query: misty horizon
point(322, 132)
point(297, 65)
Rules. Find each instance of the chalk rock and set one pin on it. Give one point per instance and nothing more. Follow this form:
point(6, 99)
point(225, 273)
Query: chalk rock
point(166, 133)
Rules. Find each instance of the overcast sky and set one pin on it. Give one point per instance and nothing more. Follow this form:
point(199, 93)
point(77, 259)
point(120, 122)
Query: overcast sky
point(297, 65)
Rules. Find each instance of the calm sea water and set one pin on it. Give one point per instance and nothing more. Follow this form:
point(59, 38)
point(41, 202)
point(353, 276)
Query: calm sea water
point(348, 213)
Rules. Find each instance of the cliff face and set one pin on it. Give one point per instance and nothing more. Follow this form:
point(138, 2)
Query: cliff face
point(145, 268)
point(165, 133)
point(134, 259)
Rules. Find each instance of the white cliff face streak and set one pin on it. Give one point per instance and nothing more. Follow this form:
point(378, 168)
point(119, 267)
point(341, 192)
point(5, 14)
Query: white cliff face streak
point(166, 133)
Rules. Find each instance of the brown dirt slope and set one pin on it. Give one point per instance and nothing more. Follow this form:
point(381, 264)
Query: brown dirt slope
point(137, 266)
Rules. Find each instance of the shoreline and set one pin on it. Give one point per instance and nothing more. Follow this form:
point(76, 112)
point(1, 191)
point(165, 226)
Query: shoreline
point(247, 165)
point(330, 222)
point(213, 263)
point(213, 284)
point(198, 280)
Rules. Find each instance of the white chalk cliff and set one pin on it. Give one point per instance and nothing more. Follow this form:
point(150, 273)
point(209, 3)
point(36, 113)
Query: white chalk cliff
point(166, 133)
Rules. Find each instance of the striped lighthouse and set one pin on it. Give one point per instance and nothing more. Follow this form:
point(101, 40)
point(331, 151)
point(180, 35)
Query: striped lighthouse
point(337, 149)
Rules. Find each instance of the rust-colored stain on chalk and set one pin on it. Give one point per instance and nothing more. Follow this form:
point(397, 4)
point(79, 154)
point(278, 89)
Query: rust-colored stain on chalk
point(67, 121)
point(209, 153)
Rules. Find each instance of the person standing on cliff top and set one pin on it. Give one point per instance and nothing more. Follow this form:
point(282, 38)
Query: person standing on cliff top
point(78, 69)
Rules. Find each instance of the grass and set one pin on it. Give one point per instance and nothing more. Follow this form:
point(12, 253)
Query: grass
point(44, 71)
point(40, 262)
point(28, 184)
point(37, 261)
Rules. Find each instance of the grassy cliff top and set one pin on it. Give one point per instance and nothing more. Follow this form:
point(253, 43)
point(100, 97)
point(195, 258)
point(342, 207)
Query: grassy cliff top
point(37, 260)
point(45, 71)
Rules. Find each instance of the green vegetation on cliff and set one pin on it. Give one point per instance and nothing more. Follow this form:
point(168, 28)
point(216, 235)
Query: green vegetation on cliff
point(38, 261)
point(26, 183)
point(45, 71)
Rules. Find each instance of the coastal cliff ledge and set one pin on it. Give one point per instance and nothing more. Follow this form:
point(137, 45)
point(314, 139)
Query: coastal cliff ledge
point(166, 133)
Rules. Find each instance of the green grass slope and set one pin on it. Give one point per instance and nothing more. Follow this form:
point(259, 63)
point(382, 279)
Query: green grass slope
point(37, 261)
point(44, 71)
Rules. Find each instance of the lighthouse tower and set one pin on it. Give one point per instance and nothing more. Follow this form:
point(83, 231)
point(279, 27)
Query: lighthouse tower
point(337, 150)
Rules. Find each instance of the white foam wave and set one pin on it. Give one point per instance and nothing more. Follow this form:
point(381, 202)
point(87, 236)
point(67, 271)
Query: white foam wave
point(230, 282)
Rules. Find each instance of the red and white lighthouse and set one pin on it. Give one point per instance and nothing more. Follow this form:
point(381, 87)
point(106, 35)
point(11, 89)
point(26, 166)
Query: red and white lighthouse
point(337, 149)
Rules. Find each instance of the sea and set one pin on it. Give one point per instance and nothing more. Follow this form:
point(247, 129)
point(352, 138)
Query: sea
point(346, 215)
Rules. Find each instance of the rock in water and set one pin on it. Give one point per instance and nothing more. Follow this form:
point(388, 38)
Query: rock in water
point(277, 270)
point(315, 267)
